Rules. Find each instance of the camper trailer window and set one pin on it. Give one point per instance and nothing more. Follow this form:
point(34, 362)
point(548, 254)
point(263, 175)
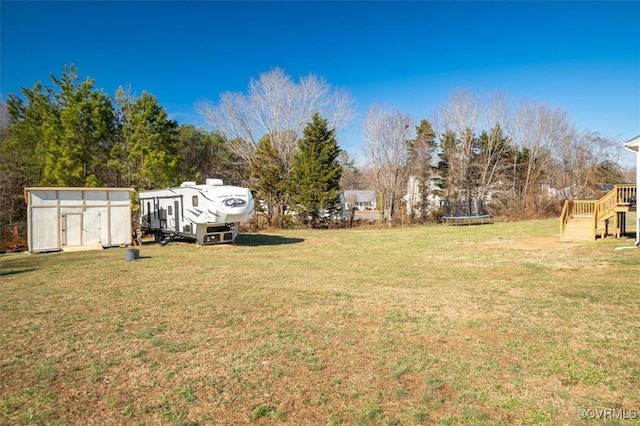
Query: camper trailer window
point(169, 210)
point(194, 201)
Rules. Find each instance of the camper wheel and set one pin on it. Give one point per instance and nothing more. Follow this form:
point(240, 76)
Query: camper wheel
point(157, 237)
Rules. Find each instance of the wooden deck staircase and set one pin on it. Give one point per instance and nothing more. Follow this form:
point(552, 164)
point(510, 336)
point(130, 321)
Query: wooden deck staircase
point(588, 219)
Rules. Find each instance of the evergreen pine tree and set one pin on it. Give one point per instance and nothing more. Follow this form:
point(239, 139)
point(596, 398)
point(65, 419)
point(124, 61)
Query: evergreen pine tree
point(316, 172)
point(421, 151)
point(78, 132)
point(268, 179)
point(146, 154)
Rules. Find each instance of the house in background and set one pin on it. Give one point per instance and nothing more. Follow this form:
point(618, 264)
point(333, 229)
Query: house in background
point(360, 199)
point(360, 204)
point(413, 198)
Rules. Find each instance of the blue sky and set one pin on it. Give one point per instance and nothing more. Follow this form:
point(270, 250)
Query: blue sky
point(583, 57)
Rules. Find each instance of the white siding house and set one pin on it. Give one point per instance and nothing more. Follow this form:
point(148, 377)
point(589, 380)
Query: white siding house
point(413, 198)
point(77, 218)
point(359, 199)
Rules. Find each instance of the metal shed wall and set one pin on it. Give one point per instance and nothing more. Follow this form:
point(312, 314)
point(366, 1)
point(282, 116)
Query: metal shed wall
point(72, 218)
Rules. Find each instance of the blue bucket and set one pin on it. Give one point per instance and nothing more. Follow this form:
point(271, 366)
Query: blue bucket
point(132, 254)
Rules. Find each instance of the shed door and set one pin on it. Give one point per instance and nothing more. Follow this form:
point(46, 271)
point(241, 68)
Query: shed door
point(72, 229)
point(92, 224)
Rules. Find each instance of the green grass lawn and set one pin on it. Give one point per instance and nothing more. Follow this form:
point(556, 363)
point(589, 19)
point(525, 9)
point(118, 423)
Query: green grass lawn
point(491, 324)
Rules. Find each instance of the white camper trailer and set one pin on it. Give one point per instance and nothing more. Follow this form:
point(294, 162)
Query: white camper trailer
point(209, 213)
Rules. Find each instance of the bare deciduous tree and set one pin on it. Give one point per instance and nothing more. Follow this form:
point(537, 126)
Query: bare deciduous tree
point(386, 134)
point(459, 118)
point(462, 112)
point(279, 107)
point(538, 132)
point(585, 160)
point(494, 147)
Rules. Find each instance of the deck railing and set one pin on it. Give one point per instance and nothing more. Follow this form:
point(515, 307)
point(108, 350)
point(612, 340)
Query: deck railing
point(574, 208)
point(619, 196)
point(626, 194)
point(606, 205)
point(564, 216)
point(602, 209)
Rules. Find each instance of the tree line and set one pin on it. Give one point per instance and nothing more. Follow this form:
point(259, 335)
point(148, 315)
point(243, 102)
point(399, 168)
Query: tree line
point(481, 155)
point(72, 134)
point(473, 152)
point(280, 140)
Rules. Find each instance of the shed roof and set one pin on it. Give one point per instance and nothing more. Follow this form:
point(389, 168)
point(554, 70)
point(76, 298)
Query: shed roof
point(75, 188)
point(36, 189)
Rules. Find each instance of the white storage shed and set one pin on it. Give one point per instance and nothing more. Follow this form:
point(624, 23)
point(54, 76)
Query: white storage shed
point(77, 218)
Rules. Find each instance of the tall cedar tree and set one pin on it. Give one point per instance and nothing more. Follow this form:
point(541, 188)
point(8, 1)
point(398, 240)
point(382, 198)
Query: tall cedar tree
point(421, 151)
point(146, 154)
point(78, 133)
point(24, 148)
point(316, 172)
point(268, 179)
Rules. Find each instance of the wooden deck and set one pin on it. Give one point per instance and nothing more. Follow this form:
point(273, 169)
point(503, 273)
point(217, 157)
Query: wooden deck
point(589, 219)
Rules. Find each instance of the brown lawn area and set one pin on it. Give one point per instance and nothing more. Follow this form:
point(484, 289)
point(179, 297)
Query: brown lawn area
point(490, 324)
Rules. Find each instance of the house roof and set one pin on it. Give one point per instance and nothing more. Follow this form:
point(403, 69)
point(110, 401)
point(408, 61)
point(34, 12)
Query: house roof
point(360, 195)
point(633, 144)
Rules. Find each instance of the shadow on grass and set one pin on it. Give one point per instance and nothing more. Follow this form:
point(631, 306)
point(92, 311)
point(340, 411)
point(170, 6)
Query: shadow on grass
point(15, 272)
point(253, 240)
